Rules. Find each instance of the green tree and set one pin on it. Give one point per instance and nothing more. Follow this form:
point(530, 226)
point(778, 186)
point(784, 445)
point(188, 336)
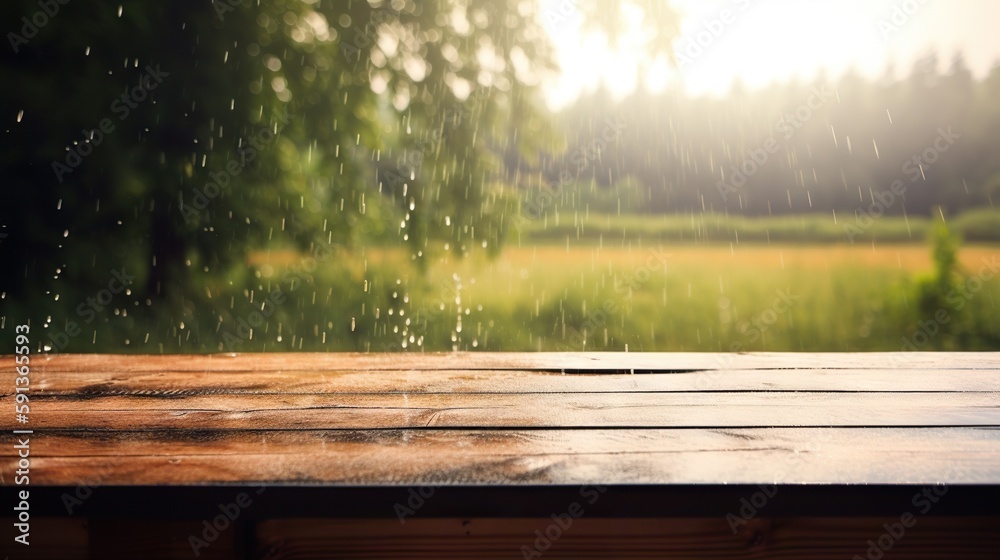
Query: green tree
point(933, 291)
point(174, 138)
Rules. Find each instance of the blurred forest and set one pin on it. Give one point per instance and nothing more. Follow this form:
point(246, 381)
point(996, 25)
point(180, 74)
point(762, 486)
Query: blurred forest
point(165, 143)
point(838, 142)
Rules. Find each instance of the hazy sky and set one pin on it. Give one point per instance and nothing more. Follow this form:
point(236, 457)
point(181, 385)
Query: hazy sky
point(762, 41)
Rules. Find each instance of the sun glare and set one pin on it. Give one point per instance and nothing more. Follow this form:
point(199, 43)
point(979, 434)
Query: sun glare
point(757, 42)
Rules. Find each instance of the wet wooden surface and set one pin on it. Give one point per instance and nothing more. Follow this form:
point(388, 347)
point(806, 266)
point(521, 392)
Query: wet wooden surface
point(687, 436)
point(496, 419)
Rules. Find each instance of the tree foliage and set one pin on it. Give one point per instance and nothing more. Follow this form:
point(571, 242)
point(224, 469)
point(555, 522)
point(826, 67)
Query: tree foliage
point(269, 123)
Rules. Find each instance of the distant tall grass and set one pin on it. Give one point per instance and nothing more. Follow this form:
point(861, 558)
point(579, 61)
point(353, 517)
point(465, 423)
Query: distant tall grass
point(710, 298)
point(795, 294)
point(574, 226)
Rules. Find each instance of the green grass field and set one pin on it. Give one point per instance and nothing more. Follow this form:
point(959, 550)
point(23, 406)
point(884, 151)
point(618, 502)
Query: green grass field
point(782, 297)
point(705, 298)
point(700, 283)
point(635, 293)
point(981, 226)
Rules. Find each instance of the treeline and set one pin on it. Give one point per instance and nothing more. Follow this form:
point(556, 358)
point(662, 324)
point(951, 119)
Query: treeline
point(976, 226)
point(793, 148)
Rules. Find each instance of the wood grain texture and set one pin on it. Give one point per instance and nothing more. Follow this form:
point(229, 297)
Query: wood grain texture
point(82, 539)
point(626, 539)
point(500, 419)
point(526, 410)
point(172, 382)
point(161, 441)
point(407, 458)
point(832, 538)
point(549, 361)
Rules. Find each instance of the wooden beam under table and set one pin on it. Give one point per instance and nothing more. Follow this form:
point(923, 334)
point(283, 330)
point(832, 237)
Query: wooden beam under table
point(327, 447)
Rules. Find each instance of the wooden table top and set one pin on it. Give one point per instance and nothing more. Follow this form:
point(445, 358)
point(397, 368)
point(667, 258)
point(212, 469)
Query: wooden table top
point(481, 427)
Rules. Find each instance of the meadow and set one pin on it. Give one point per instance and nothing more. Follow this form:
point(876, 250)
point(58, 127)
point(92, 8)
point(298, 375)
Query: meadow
point(634, 292)
point(714, 297)
point(690, 283)
point(977, 226)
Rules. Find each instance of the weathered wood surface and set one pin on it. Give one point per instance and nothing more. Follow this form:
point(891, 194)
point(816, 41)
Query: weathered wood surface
point(501, 411)
point(550, 361)
point(151, 445)
point(518, 457)
point(174, 382)
point(495, 419)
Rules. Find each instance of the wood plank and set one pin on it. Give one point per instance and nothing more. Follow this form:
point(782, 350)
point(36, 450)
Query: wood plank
point(138, 538)
point(931, 538)
point(104, 382)
point(63, 538)
point(550, 361)
point(81, 538)
point(512, 422)
point(859, 456)
point(527, 410)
